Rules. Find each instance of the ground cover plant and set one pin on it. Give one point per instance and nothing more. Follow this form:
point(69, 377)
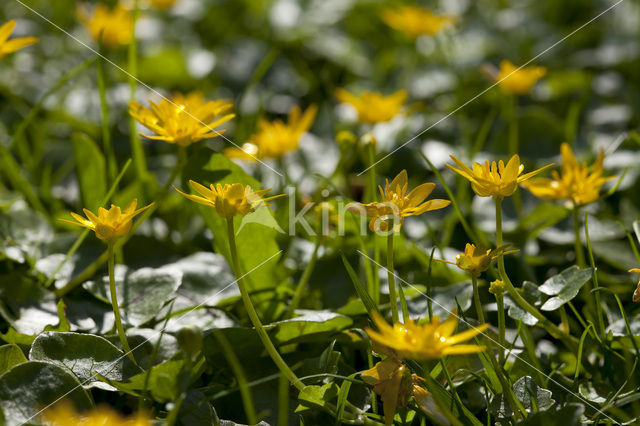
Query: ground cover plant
point(360, 212)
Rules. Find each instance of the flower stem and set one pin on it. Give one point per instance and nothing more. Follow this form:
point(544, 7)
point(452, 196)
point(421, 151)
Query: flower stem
point(393, 298)
point(515, 295)
point(476, 299)
point(374, 289)
point(580, 260)
point(137, 151)
point(104, 109)
point(501, 328)
point(253, 315)
point(114, 304)
point(306, 274)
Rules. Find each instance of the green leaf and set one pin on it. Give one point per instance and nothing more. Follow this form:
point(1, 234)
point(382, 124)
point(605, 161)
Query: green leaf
point(257, 247)
point(444, 300)
point(24, 235)
point(90, 169)
point(141, 293)
point(526, 389)
point(564, 286)
point(531, 294)
point(196, 410)
point(360, 289)
point(314, 396)
point(163, 382)
point(28, 387)
point(28, 308)
point(10, 355)
point(84, 355)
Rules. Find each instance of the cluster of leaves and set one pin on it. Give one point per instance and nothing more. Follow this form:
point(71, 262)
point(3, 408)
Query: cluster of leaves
point(56, 323)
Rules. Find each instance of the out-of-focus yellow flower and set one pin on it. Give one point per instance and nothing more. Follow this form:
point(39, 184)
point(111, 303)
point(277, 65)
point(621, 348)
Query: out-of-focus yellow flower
point(495, 180)
point(574, 184)
point(518, 81)
point(346, 138)
point(393, 382)
point(229, 200)
point(476, 260)
point(415, 21)
point(275, 138)
point(636, 293)
point(183, 120)
point(428, 341)
point(110, 224)
point(397, 204)
point(162, 4)
point(9, 46)
point(373, 107)
point(114, 27)
point(64, 414)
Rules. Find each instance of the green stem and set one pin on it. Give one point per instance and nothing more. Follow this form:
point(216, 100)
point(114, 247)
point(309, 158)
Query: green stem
point(393, 298)
point(515, 295)
point(238, 371)
point(114, 304)
point(596, 286)
point(476, 300)
point(501, 327)
point(253, 315)
point(577, 243)
point(374, 289)
point(91, 269)
point(104, 109)
point(306, 274)
point(137, 151)
point(283, 401)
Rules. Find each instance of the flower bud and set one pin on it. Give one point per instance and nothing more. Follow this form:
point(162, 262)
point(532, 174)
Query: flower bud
point(497, 287)
point(190, 339)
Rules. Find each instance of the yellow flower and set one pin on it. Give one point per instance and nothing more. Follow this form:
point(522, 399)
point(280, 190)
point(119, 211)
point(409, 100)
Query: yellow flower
point(393, 382)
point(636, 293)
point(476, 260)
point(373, 107)
point(415, 21)
point(108, 224)
point(182, 120)
point(162, 4)
point(229, 200)
point(114, 27)
point(274, 139)
point(64, 414)
point(574, 184)
point(9, 46)
point(429, 341)
point(494, 180)
point(518, 81)
point(397, 204)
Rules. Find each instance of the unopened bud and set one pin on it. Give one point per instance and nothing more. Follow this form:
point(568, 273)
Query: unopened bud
point(190, 339)
point(496, 287)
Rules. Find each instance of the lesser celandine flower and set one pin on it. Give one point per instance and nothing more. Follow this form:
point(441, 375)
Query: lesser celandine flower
point(636, 293)
point(431, 340)
point(183, 120)
point(373, 107)
point(574, 183)
point(113, 27)
point(64, 414)
point(275, 138)
point(415, 21)
point(9, 46)
point(476, 260)
point(397, 203)
point(110, 224)
point(518, 81)
point(495, 180)
point(229, 200)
